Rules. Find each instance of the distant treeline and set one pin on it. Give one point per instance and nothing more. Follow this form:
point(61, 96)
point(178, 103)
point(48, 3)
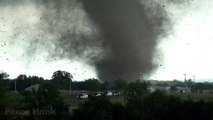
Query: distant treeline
point(152, 106)
point(64, 81)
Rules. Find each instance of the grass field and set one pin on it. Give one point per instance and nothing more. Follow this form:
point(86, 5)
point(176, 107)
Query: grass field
point(196, 97)
point(73, 102)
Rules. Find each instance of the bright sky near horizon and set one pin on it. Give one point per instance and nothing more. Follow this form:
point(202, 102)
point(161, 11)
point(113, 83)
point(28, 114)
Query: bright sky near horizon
point(186, 49)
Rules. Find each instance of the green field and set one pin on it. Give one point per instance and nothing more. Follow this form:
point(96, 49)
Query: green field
point(73, 102)
point(196, 97)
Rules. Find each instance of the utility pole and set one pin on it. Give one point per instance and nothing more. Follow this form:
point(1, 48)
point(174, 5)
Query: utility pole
point(185, 77)
point(185, 80)
point(15, 85)
point(193, 78)
point(70, 85)
point(122, 97)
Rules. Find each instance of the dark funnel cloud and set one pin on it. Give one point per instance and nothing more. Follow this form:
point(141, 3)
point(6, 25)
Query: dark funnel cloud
point(122, 36)
point(130, 33)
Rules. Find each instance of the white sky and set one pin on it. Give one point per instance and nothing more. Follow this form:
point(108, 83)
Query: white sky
point(18, 29)
point(187, 49)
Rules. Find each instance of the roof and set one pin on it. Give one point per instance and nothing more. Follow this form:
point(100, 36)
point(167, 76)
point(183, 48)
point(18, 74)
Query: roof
point(162, 88)
point(30, 88)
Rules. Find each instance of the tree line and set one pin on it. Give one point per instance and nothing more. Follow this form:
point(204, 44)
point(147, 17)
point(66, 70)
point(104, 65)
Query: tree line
point(63, 81)
point(142, 105)
point(139, 103)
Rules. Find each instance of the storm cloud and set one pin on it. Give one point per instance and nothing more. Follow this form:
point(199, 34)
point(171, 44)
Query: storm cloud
point(118, 37)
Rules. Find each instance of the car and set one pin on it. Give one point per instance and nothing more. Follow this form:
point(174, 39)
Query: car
point(83, 96)
point(97, 94)
point(116, 93)
point(109, 93)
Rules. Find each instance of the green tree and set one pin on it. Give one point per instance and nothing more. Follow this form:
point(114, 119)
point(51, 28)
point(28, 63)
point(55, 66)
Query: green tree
point(3, 97)
point(121, 84)
point(92, 84)
point(3, 76)
point(95, 108)
point(62, 79)
point(178, 83)
point(135, 94)
point(106, 85)
point(189, 82)
point(45, 98)
point(137, 89)
point(174, 89)
point(21, 82)
point(155, 106)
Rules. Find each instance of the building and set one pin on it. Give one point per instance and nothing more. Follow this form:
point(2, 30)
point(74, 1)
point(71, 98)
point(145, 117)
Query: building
point(152, 89)
point(32, 87)
point(167, 89)
point(184, 89)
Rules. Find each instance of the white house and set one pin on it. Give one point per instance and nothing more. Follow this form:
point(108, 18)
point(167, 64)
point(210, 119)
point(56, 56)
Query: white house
point(32, 87)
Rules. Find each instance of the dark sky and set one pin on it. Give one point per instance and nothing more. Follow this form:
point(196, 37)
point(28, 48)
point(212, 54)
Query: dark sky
point(130, 34)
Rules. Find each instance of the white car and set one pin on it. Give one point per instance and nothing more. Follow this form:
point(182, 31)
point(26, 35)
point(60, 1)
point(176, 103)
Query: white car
point(83, 96)
point(109, 94)
point(98, 94)
point(116, 93)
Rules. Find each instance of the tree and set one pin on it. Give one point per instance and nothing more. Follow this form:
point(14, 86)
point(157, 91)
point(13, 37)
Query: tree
point(2, 93)
point(92, 84)
point(155, 106)
point(137, 89)
point(106, 85)
point(189, 82)
point(3, 97)
point(178, 83)
point(3, 76)
point(45, 98)
point(21, 82)
point(174, 89)
point(121, 84)
point(62, 79)
point(135, 94)
point(95, 108)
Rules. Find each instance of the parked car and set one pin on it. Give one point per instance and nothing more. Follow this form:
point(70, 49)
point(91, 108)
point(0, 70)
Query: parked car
point(109, 93)
point(98, 94)
point(116, 93)
point(83, 96)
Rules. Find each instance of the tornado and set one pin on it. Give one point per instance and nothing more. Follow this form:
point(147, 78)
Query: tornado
point(130, 34)
point(117, 37)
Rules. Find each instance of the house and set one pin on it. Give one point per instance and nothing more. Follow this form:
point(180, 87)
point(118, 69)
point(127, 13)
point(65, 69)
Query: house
point(200, 91)
point(32, 87)
point(184, 89)
point(152, 89)
point(167, 89)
